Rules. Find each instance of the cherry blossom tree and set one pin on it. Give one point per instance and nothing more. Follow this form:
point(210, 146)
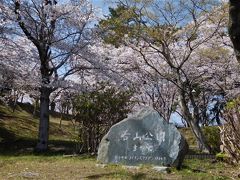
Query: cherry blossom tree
point(126, 70)
point(230, 130)
point(19, 64)
point(167, 36)
point(58, 31)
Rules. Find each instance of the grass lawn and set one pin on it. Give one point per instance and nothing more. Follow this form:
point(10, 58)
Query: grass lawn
point(82, 167)
point(18, 136)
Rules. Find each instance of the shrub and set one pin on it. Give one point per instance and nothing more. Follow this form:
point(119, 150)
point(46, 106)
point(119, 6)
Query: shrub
point(212, 134)
point(222, 157)
point(97, 111)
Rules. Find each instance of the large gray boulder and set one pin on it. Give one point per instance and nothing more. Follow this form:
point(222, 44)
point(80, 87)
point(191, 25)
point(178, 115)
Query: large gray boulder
point(144, 138)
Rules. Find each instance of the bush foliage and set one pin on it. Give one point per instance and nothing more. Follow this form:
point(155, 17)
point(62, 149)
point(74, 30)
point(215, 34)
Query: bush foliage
point(97, 111)
point(212, 134)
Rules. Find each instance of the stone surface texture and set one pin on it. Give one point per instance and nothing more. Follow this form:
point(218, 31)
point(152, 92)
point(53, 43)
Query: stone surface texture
point(144, 138)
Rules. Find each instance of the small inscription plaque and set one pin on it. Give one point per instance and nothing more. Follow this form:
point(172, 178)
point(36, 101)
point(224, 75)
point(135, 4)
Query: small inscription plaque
point(141, 158)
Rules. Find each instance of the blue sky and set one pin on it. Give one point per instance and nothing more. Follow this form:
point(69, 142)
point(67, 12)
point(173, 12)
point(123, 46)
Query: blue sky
point(101, 4)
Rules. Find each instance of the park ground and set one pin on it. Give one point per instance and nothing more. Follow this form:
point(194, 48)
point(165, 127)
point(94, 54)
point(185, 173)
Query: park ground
point(18, 134)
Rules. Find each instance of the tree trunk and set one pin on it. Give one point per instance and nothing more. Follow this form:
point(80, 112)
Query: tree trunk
point(22, 98)
point(15, 99)
point(234, 25)
point(194, 125)
point(60, 123)
point(44, 120)
point(53, 106)
point(36, 105)
point(203, 146)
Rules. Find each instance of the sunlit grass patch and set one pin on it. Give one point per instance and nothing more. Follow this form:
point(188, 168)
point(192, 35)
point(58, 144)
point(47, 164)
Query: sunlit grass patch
point(84, 167)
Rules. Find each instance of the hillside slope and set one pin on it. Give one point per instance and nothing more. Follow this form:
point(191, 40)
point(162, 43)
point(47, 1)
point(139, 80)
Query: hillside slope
point(19, 131)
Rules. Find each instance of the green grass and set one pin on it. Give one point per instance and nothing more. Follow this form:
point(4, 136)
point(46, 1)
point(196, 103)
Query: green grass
point(19, 130)
point(59, 167)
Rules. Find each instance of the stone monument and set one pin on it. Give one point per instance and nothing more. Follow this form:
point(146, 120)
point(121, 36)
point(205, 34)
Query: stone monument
point(144, 138)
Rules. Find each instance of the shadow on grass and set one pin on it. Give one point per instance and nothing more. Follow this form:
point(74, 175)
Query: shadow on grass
point(108, 175)
point(6, 136)
point(97, 176)
point(14, 142)
point(193, 170)
point(138, 176)
point(18, 147)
